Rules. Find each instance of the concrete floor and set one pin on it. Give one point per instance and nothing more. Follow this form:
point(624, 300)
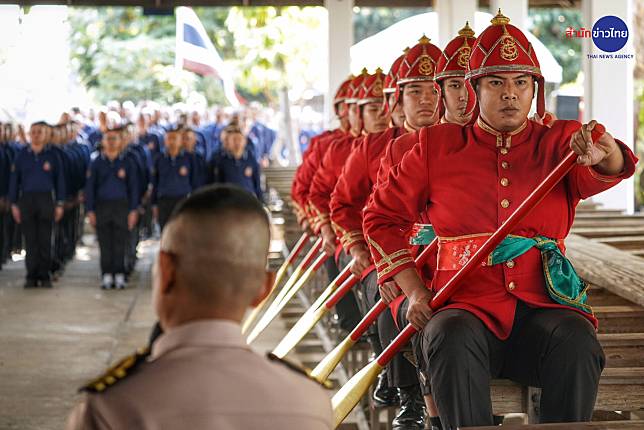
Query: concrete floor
point(53, 341)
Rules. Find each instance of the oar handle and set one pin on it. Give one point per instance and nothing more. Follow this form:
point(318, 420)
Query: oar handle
point(297, 248)
point(367, 320)
point(313, 252)
point(342, 290)
point(380, 306)
point(392, 349)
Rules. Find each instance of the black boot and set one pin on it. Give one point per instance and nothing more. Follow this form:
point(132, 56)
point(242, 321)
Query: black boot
point(412, 410)
point(383, 394)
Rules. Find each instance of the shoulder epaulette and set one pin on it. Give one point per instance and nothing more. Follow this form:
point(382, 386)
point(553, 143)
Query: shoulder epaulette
point(117, 372)
point(299, 369)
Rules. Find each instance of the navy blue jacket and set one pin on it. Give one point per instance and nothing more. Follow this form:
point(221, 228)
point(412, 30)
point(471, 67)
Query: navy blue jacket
point(36, 173)
point(224, 168)
point(173, 177)
point(111, 180)
point(201, 169)
point(139, 156)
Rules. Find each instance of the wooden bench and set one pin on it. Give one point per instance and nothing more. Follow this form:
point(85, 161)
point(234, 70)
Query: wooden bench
point(603, 266)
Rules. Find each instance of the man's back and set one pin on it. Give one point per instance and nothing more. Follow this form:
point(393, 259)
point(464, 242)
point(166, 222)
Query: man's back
point(202, 375)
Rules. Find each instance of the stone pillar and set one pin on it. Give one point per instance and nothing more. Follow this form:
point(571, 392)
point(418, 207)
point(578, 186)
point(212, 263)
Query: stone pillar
point(340, 28)
point(609, 92)
point(516, 10)
point(452, 15)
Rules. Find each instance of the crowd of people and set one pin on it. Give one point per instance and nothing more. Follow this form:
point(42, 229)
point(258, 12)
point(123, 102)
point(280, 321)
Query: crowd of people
point(124, 169)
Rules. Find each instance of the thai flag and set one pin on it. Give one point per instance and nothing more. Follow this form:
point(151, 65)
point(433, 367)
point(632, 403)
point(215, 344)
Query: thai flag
point(195, 52)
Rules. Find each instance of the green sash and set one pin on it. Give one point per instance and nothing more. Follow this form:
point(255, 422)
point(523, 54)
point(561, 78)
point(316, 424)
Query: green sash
point(422, 234)
point(564, 285)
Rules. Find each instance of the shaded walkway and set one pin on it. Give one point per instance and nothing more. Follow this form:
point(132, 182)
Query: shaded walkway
point(53, 340)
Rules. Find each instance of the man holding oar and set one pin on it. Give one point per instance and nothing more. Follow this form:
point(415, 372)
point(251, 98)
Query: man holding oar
point(519, 317)
point(417, 98)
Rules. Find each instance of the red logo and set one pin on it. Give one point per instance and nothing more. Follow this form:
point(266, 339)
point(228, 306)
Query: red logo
point(183, 171)
point(248, 172)
point(46, 166)
point(121, 173)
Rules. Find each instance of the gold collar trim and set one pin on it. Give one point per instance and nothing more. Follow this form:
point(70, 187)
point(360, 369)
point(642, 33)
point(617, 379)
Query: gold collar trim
point(503, 139)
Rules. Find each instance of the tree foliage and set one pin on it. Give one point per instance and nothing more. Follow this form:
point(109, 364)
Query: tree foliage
point(549, 25)
point(368, 21)
point(121, 54)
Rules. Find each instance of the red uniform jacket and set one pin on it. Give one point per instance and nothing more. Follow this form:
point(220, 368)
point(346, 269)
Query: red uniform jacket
point(310, 165)
point(470, 186)
point(394, 152)
point(326, 177)
point(297, 178)
point(355, 184)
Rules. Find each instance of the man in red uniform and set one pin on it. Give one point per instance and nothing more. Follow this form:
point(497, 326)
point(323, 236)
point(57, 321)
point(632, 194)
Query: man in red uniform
point(348, 200)
point(319, 196)
point(418, 96)
point(389, 90)
point(509, 320)
point(313, 156)
point(449, 78)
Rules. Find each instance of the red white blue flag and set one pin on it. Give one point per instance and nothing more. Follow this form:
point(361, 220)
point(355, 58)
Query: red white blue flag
point(196, 53)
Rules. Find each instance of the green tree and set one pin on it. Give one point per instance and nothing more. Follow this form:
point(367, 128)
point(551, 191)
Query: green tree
point(550, 25)
point(269, 47)
point(277, 47)
point(368, 21)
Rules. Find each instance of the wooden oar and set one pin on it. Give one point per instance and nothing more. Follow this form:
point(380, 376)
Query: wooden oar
point(351, 393)
point(324, 368)
point(323, 304)
point(297, 249)
point(299, 270)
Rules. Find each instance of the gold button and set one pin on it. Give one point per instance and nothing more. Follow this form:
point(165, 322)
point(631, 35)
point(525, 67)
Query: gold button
point(505, 203)
point(504, 151)
point(505, 164)
point(510, 264)
point(512, 286)
point(505, 182)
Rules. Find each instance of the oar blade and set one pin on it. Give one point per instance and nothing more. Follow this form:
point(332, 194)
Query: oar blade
point(299, 330)
point(330, 362)
point(350, 394)
point(265, 320)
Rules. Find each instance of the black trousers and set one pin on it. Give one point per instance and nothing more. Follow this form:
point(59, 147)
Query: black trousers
point(37, 214)
point(554, 349)
point(3, 237)
point(166, 206)
point(401, 372)
point(112, 232)
point(347, 308)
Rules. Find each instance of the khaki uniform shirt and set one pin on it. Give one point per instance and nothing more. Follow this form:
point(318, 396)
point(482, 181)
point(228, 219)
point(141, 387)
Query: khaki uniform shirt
point(202, 375)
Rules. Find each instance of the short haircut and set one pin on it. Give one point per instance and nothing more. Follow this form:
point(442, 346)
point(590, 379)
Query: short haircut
point(216, 199)
point(220, 235)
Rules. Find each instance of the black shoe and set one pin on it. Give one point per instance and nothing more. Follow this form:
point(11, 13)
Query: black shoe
point(384, 395)
point(412, 410)
point(31, 283)
point(46, 283)
point(498, 419)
